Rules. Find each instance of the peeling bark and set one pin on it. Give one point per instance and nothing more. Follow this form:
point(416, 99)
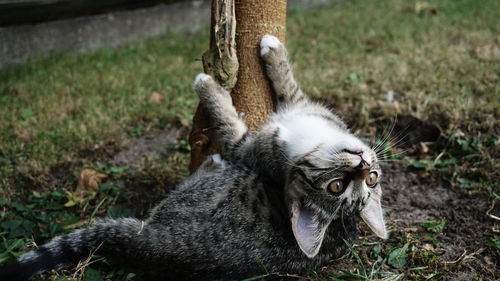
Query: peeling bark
point(220, 62)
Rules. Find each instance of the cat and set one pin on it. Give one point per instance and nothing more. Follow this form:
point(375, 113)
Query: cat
point(283, 199)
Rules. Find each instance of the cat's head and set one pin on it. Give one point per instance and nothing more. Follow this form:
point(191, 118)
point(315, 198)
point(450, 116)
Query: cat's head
point(331, 173)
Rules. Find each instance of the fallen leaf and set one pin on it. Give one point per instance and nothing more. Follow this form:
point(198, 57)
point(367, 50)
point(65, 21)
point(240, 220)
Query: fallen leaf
point(156, 97)
point(397, 258)
point(89, 180)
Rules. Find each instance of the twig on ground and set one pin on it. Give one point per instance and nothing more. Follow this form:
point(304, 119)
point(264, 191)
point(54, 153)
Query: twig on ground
point(489, 210)
point(83, 264)
point(464, 257)
point(294, 276)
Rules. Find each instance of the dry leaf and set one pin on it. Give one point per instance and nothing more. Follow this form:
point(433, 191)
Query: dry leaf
point(87, 188)
point(156, 97)
point(89, 180)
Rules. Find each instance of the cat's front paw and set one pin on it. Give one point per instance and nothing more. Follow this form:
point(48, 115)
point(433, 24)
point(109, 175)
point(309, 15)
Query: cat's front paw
point(201, 79)
point(268, 43)
point(203, 82)
point(209, 91)
point(203, 85)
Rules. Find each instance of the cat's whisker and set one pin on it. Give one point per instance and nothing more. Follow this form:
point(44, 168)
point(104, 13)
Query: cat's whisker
point(390, 161)
point(386, 134)
point(382, 153)
point(402, 152)
point(326, 159)
point(399, 138)
point(394, 141)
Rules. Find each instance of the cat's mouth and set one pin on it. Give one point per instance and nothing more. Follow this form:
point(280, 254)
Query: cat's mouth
point(359, 160)
point(361, 171)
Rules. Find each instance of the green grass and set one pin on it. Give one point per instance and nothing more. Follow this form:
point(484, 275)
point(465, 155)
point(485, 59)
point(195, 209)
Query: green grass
point(442, 63)
point(366, 48)
point(53, 108)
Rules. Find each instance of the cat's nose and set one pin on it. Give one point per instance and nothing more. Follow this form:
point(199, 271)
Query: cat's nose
point(354, 151)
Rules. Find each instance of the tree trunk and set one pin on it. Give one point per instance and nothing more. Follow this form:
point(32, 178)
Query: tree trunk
point(252, 94)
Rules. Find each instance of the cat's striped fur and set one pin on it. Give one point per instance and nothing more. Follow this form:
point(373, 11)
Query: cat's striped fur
point(283, 199)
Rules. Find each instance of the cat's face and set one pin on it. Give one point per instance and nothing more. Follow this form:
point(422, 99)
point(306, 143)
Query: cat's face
point(331, 174)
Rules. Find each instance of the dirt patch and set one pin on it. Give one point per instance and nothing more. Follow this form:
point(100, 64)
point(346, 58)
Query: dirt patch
point(59, 176)
point(148, 147)
point(100, 152)
point(415, 130)
point(411, 198)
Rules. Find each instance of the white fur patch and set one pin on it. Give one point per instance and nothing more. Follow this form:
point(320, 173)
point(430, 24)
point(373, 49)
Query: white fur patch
point(267, 43)
point(303, 133)
point(217, 158)
point(202, 77)
point(367, 157)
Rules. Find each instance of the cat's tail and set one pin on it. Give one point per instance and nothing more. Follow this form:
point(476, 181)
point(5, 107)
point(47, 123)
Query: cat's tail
point(66, 251)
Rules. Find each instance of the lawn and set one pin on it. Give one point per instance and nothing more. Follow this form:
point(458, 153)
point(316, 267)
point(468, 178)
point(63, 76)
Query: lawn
point(430, 70)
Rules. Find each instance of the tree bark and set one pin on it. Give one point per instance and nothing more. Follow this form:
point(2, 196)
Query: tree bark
point(252, 94)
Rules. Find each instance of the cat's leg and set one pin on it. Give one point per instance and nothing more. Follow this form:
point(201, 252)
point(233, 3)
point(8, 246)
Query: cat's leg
point(279, 71)
point(211, 163)
point(230, 128)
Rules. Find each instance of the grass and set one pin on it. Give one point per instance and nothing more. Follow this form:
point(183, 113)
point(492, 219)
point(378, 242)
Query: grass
point(436, 61)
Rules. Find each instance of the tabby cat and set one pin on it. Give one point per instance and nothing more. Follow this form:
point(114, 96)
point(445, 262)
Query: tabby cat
point(282, 199)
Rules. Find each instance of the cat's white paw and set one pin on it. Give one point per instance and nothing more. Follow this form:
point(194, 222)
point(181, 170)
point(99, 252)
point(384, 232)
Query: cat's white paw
point(202, 77)
point(267, 43)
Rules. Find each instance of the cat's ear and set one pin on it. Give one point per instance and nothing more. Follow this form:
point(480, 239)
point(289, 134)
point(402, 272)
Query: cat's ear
point(307, 229)
point(373, 217)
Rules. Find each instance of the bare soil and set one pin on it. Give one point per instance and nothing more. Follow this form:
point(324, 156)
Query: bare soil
point(411, 197)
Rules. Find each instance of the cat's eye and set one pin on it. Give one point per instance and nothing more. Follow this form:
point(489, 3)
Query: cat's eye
point(336, 186)
point(372, 179)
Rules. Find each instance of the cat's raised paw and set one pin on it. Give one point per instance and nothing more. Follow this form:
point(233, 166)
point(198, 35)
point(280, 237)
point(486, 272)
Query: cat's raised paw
point(267, 43)
point(202, 77)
